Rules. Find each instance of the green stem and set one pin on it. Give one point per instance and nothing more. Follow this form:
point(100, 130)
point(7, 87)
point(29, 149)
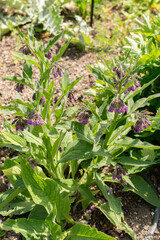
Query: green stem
point(58, 102)
point(111, 129)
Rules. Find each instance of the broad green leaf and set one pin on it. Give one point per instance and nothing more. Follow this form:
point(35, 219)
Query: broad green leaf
point(71, 85)
point(83, 150)
point(112, 216)
point(17, 208)
point(12, 110)
point(27, 227)
point(36, 186)
point(15, 170)
point(114, 203)
point(85, 232)
point(15, 79)
point(75, 150)
point(129, 161)
point(42, 193)
point(27, 70)
point(29, 137)
point(21, 102)
point(65, 80)
point(138, 104)
point(26, 58)
point(9, 195)
point(100, 131)
point(112, 209)
point(86, 192)
point(38, 212)
point(15, 141)
point(143, 189)
point(82, 132)
point(67, 184)
point(134, 143)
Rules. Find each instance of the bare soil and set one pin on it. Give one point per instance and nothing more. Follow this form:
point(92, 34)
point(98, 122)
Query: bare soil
point(138, 213)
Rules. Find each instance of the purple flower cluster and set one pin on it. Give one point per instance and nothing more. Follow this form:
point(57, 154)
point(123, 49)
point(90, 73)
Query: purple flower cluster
point(118, 106)
point(20, 123)
point(133, 88)
point(141, 123)
point(121, 73)
point(48, 55)
point(71, 96)
point(19, 87)
point(83, 117)
point(34, 118)
point(58, 71)
point(109, 191)
point(33, 163)
point(42, 100)
point(118, 172)
point(25, 50)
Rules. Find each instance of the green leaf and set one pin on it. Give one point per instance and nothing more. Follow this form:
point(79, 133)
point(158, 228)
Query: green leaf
point(36, 186)
point(112, 216)
point(85, 191)
point(26, 58)
point(17, 208)
point(29, 137)
point(139, 90)
point(112, 209)
point(85, 232)
point(133, 162)
point(15, 170)
point(38, 212)
point(134, 143)
point(27, 70)
point(82, 132)
point(60, 53)
point(143, 189)
point(27, 227)
point(9, 195)
point(29, 106)
point(52, 42)
point(114, 203)
point(42, 193)
point(16, 141)
point(83, 150)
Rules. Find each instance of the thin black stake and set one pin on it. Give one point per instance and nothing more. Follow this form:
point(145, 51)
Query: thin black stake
point(92, 8)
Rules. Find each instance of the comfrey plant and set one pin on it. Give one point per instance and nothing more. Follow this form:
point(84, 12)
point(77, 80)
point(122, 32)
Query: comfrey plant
point(44, 183)
point(60, 159)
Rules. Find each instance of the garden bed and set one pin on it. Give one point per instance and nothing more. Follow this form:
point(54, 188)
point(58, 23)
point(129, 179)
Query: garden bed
point(138, 213)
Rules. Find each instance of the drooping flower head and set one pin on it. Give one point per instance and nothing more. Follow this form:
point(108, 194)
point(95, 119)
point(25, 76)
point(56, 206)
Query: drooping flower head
point(71, 96)
point(33, 163)
point(58, 71)
point(19, 87)
point(83, 117)
point(42, 100)
point(25, 50)
point(121, 73)
point(20, 123)
point(48, 55)
point(118, 106)
point(133, 87)
point(142, 121)
point(118, 172)
point(35, 118)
